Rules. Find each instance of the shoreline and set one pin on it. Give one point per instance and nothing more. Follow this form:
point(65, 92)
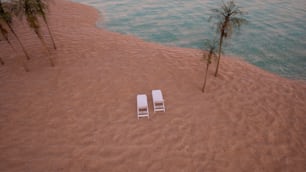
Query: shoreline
point(81, 114)
point(279, 67)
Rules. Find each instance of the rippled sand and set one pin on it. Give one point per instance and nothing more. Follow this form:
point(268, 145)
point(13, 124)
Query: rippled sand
point(81, 114)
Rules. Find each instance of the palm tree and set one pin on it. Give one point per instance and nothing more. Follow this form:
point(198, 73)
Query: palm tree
point(30, 9)
point(1, 61)
point(211, 47)
point(42, 7)
point(229, 17)
point(4, 34)
point(6, 17)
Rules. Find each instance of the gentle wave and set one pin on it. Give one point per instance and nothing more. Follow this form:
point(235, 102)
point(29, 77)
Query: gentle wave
point(274, 39)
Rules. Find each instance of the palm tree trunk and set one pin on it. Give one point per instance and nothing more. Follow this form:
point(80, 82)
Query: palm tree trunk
point(54, 46)
point(23, 63)
point(45, 46)
point(1, 61)
point(219, 52)
point(21, 59)
point(9, 42)
point(25, 52)
point(204, 84)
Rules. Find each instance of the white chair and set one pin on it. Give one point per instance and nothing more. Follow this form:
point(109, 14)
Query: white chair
point(142, 106)
point(158, 101)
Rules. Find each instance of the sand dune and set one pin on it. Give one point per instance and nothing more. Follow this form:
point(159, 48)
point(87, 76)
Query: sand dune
point(81, 114)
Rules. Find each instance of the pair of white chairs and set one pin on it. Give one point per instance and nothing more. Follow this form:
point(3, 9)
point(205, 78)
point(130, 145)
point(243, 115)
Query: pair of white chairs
point(142, 103)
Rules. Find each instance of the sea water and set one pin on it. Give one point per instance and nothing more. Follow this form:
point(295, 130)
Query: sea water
point(274, 39)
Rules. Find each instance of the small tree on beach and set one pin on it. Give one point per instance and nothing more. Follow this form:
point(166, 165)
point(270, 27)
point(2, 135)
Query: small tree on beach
point(31, 10)
point(211, 47)
point(228, 17)
point(42, 7)
point(7, 19)
point(4, 34)
point(1, 61)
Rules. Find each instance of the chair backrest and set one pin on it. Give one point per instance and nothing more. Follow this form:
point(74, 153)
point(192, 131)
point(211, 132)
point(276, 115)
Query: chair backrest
point(157, 96)
point(142, 101)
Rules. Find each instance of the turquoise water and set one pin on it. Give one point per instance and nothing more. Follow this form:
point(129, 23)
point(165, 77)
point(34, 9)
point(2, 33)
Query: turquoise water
point(274, 39)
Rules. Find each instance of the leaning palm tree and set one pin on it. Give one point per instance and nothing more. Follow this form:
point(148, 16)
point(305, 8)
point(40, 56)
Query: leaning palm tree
point(4, 34)
point(228, 17)
point(1, 61)
point(42, 7)
point(211, 47)
point(6, 18)
point(30, 9)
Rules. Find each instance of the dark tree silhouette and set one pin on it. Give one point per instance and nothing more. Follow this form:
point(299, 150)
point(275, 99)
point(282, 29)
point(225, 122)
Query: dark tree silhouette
point(1, 61)
point(4, 34)
point(31, 10)
point(228, 17)
point(6, 18)
point(42, 7)
point(211, 47)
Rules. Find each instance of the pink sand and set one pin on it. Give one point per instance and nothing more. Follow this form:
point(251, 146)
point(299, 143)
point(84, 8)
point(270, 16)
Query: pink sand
point(81, 114)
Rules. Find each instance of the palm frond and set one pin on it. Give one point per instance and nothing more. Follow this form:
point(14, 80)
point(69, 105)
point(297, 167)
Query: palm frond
point(211, 47)
point(4, 15)
point(229, 16)
point(238, 21)
point(42, 6)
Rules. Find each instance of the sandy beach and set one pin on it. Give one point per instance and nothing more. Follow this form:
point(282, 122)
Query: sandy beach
point(81, 114)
